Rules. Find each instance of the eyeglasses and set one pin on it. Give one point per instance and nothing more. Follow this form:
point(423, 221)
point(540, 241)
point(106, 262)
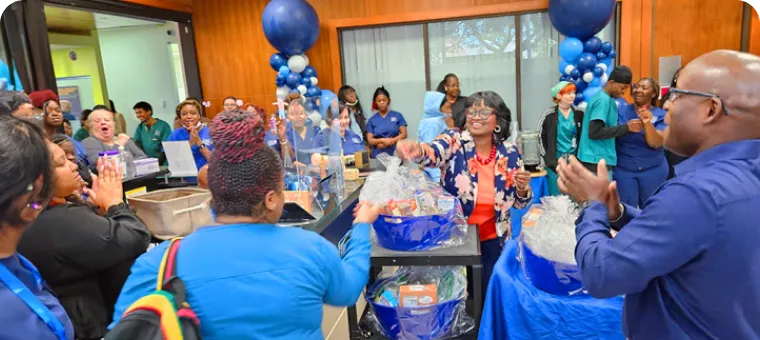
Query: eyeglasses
point(481, 114)
point(675, 93)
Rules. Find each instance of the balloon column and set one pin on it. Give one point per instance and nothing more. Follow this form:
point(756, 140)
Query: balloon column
point(586, 60)
point(292, 27)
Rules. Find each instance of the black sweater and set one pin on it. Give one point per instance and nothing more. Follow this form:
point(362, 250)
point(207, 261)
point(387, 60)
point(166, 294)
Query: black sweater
point(85, 258)
point(547, 130)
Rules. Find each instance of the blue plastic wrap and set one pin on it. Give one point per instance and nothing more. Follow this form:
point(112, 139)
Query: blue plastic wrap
point(446, 319)
point(550, 276)
point(416, 213)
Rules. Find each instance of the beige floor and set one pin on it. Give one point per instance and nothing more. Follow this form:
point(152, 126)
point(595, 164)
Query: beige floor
point(335, 320)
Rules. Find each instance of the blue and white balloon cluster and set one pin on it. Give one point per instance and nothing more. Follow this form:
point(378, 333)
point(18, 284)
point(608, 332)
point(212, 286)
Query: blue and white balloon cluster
point(294, 74)
point(292, 27)
point(587, 64)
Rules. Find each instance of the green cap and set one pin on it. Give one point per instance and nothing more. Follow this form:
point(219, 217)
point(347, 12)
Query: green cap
point(559, 87)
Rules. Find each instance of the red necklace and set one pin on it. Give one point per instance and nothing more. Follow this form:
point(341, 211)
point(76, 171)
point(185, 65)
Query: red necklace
point(490, 157)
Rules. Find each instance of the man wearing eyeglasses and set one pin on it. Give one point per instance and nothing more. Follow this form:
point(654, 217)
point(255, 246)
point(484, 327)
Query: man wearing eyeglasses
point(689, 261)
point(600, 122)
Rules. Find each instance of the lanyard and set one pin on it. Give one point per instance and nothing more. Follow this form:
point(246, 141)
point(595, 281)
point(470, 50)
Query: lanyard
point(18, 288)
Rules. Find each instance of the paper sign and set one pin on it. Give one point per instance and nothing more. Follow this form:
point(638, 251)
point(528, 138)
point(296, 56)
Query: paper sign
point(180, 157)
point(668, 68)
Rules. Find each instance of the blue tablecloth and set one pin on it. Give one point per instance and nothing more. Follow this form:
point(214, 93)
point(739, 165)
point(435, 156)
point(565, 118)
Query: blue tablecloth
point(540, 189)
point(516, 310)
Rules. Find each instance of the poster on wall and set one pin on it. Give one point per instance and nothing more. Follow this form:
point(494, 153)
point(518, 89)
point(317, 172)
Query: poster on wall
point(71, 93)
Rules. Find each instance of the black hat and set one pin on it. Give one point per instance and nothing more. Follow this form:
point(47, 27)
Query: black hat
point(622, 74)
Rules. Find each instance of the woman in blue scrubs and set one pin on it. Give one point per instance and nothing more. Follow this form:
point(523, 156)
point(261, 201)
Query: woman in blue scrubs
point(300, 137)
point(386, 127)
point(351, 142)
point(642, 166)
point(193, 131)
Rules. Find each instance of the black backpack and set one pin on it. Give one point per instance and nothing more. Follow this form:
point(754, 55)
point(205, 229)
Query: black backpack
point(163, 314)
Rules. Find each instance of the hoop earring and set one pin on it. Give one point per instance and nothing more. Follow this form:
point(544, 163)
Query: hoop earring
point(497, 129)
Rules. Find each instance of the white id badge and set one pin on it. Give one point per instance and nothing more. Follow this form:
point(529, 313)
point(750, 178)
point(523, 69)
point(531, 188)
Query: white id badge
point(574, 143)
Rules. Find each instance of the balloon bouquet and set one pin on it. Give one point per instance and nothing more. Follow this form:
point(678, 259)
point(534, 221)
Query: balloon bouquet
point(586, 60)
point(292, 27)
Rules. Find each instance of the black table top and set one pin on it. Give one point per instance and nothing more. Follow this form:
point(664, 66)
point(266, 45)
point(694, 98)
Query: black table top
point(464, 255)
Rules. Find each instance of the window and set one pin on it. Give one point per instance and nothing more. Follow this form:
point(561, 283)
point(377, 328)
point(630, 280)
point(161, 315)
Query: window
point(482, 52)
point(393, 57)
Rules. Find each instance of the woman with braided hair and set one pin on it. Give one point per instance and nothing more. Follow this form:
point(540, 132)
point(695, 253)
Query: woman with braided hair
point(246, 277)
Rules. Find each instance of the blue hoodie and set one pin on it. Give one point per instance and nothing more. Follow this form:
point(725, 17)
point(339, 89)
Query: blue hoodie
point(432, 124)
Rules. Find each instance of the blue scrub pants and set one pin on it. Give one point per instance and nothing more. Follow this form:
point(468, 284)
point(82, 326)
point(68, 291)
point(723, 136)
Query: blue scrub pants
point(635, 187)
point(551, 179)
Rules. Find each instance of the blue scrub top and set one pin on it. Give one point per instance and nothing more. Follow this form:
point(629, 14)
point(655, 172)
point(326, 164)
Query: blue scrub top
point(181, 134)
point(388, 127)
point(351, 142)
point(633, 153)
point(273, 141)
point(303, 146)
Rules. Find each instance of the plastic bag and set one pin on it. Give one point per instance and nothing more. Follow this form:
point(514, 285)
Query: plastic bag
point(441, 317)
point(416, 213)
point(547, 246)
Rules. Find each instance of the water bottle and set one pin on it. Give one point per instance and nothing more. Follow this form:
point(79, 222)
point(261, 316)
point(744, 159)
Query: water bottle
point(128, 168)
point(335, 160)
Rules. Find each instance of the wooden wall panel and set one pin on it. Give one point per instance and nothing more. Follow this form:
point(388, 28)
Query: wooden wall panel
point(233, 54)
point(690, 28)
point(174, 5)
point(754, 40)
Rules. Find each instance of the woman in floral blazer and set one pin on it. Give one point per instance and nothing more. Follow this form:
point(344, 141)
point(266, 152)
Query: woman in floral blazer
point(481, 168)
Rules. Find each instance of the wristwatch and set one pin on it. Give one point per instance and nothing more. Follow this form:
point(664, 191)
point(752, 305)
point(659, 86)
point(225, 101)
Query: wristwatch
point(202, 146)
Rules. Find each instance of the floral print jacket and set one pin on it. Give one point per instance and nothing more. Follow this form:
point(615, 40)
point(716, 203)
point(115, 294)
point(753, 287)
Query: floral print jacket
point(454, 153)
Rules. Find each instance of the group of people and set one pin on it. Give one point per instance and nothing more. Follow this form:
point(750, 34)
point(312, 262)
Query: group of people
point(73, 255)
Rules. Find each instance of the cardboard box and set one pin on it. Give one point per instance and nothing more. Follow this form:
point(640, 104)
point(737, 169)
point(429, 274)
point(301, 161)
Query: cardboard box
point(418, 295)
point(302, 198)
point(361, 159)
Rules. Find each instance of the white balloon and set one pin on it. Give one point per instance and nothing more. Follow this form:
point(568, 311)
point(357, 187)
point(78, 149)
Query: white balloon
point(282, 92)
point(605, 78)
point(314, 81)
point(297, 63)
point(583, 106)
point(588, 77)
point(603, 66)
point(316, 118)
point(302, 89)
point(569, 69)
point(307, 59)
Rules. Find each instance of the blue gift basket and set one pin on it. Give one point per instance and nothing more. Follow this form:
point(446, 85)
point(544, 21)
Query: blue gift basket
point(415, 233)
point(415, 323)
point(550, 276)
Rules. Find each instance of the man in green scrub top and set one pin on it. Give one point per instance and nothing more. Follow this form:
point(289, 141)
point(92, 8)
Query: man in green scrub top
point(600, 122)
point(151, 132)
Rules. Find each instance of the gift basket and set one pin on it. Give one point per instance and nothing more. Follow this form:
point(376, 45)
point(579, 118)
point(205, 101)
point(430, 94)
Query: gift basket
point(547, 246)
point(420, 303)
point(416, 213)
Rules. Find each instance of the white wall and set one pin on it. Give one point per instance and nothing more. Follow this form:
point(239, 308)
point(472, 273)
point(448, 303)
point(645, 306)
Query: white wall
point(138, 67)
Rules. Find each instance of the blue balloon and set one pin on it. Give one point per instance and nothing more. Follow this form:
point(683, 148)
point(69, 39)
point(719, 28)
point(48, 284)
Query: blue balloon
point(280, 80)
point(293, 80)
point(327, 99)
point(570, 49)
point(597, 82)
point(579, 98)
point(586, 62)
point(565, 78)
point(278, 60)
point(601, 56)
point(580, 19)
point(563, 66)
point(607, 47)
point(313, 91)
point(593, 45)
point(311, 103)
point(590, 92)
point(576, 74)
point(580, 86)
point(291, 26)
point(305, 80)
point(309, 72)
point(612, 54)
point(284, 71)
point(598, 71)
